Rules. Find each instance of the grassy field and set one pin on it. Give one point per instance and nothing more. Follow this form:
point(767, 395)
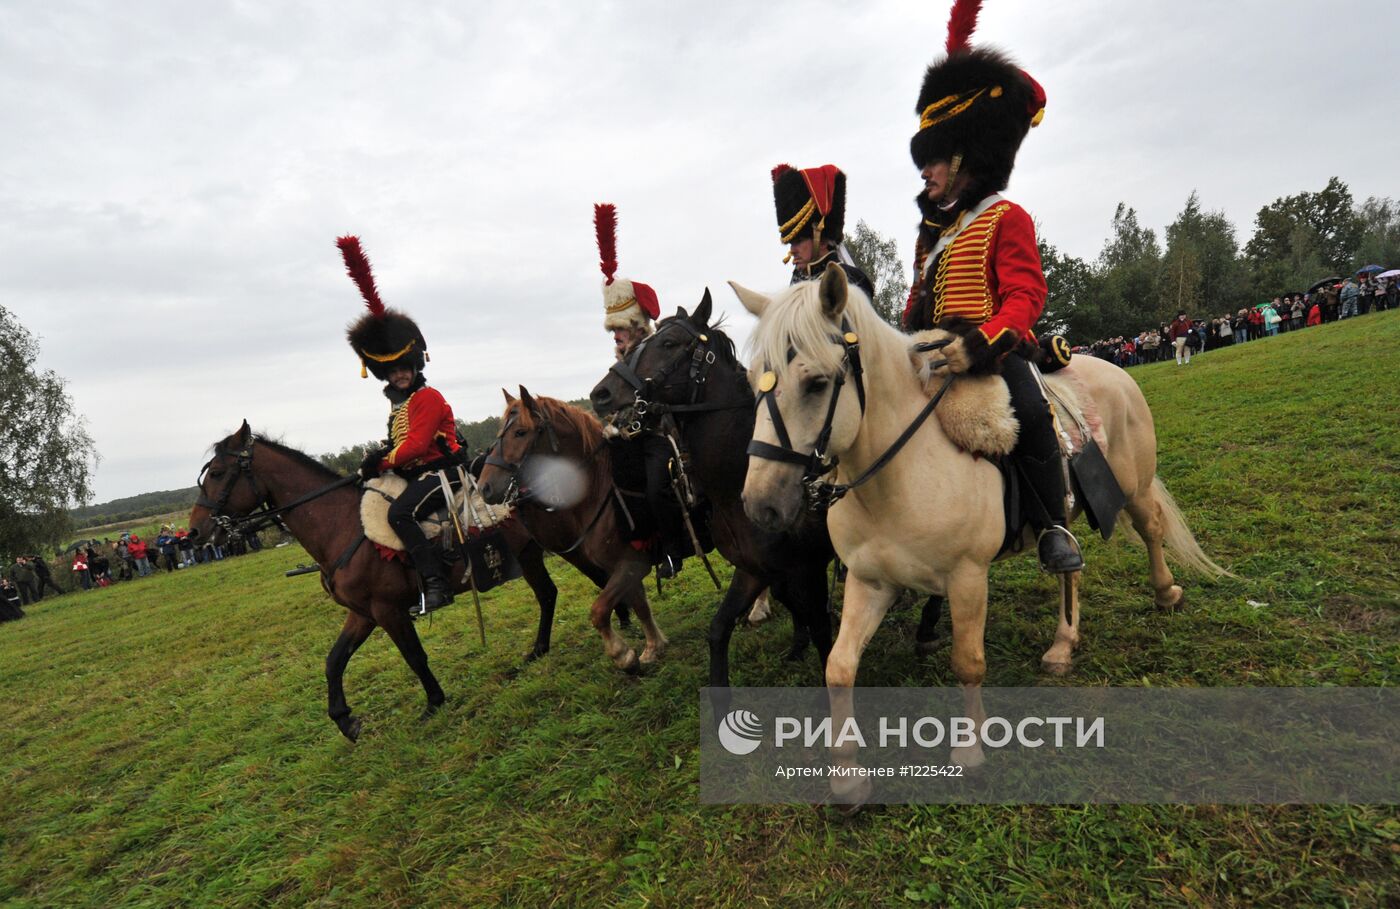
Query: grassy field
point(165, 742)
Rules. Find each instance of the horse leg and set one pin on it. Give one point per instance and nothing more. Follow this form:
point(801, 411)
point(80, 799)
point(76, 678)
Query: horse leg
point(865, 605)
point(1059, 659)
point(396, 623)
point(744, 588)
point(805, 592)
point(353, 633)
point(1146, 513)
point(656, 641)
point(625, 582)
point(967, 602)
point(546, 594)
point(926, 637)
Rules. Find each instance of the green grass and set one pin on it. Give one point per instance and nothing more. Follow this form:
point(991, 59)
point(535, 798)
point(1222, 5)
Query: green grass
point(164, 742)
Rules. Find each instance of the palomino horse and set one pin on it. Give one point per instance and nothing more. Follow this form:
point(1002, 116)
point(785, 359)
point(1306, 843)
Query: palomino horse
point(586, 531)
point(931, 518)
point(249, 473)
point(687, 369)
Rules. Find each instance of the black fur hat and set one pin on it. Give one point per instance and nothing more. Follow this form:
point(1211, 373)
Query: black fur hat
point(977, 103)
point(799, 197)
point(383, 338)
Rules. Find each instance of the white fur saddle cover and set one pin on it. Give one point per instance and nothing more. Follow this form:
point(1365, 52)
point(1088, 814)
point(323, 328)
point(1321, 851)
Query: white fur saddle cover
point(976, 414)
point(379, 492)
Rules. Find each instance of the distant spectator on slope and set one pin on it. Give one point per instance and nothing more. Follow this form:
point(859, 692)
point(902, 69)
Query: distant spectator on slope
point(1180, 332)
point(45, 576)
point(1348, 298)
point(137, 547)
point(80, 569)
point(9, 601)
point(1315, 313)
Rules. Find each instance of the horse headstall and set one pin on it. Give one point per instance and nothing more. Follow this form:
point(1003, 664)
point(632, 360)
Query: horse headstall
point(633, 421)
point(818, 494)
point(242, 469)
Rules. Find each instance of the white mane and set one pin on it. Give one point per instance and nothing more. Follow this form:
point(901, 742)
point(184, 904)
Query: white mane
point(793, 321)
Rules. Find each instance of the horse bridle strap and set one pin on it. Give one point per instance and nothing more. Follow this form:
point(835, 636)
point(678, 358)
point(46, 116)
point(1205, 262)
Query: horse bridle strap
point(701, 358)
point(816, 463)
point(265, 515)
point(819, 494)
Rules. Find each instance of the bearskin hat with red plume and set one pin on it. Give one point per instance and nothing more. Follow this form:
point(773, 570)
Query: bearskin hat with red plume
point(626, 303)
point(809, 201)
point(976, 103)
point(383, 338)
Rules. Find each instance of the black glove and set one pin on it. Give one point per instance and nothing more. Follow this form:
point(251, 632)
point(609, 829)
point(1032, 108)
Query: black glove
point(369, 467)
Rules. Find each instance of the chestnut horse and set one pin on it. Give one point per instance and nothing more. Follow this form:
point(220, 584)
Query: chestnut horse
point(929, 518)
point(687, 369)
point(251, 475)
point(540, 440)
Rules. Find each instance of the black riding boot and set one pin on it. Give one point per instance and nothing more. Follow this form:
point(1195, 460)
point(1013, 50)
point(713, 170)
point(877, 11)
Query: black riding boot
point(1058, 549)
point(437, 592)
point(1038, 457)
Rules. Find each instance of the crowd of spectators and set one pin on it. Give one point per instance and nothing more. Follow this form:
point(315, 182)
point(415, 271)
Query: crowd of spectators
point(102, 563)
point(1185, 337)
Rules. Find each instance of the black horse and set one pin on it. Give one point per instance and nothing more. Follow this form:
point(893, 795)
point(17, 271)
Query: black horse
point(687, 370)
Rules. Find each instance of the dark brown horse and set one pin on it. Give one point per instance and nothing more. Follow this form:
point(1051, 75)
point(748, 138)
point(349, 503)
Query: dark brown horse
point(687, 369)
point(541, 436)
point(249, 474)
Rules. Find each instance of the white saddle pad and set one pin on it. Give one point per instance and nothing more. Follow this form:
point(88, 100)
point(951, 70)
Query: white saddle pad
point(381, 491)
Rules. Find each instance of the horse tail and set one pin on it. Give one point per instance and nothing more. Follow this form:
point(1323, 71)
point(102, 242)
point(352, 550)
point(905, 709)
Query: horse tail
point(1178, 537)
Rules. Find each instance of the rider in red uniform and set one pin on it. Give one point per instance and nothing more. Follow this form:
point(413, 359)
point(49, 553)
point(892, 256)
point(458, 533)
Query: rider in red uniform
point(977, 266)
point(422, 433)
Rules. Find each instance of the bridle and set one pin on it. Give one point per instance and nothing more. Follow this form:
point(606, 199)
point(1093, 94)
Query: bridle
point(496, 455)
point(263, 513)
point(698, 355)
point(818, 494)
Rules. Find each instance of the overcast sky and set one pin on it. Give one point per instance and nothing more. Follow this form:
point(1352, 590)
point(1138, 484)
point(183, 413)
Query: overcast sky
point(173, 175)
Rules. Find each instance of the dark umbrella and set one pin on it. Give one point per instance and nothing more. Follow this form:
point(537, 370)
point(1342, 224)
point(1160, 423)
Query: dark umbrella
point(1370, 269)
point(1325, 282)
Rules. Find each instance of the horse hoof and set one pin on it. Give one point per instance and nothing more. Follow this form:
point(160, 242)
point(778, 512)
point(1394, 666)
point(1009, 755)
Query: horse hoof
point(629, 663)
point(1059, 670)
point(428, 712)
point(532, 655)
point(650, 656)
point(1175, 604)
point(926, 648)
point(850, 800)
point(351, 730)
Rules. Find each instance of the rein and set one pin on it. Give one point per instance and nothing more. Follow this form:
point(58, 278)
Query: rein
point(819, 494)
point(700, 357)
point(264, 514)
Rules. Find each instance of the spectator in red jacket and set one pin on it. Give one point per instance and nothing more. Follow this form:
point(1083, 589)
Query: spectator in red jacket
point(1180, 331)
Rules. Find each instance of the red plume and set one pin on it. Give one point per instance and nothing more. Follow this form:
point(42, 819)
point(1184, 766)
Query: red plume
point(605, 226)
point(358, 266)
point(780, 170)
point(961, 23)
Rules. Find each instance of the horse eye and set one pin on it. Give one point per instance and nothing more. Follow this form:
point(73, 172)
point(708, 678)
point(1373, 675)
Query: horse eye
point(670, 344)
point(520, 433)
point(817, 384)
point(215, 474)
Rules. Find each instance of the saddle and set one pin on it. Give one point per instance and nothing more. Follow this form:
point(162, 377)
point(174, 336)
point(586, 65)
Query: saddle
point(977, 416)
point(475, 515)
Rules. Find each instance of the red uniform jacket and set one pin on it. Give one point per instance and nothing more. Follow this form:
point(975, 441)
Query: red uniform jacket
point(415, 426)
point(990, 274)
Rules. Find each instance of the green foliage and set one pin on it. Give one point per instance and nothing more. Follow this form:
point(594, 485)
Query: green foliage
point(878, 256)
point(165, 741)
point(1069, 303)
point(1329, 213)
point(1380, 233)
point(46, 454)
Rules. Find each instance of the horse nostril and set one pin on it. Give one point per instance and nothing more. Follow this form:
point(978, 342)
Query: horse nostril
point(601, 395)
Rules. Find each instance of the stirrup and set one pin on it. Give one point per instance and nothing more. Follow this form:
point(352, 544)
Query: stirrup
point(1073, 543)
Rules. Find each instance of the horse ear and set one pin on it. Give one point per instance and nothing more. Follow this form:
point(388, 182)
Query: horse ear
point(526, 399)
point(753, 301)
point(681, 313)
point(833, 290)
point(243, 436)
point(702, 312)
point(510, 398)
